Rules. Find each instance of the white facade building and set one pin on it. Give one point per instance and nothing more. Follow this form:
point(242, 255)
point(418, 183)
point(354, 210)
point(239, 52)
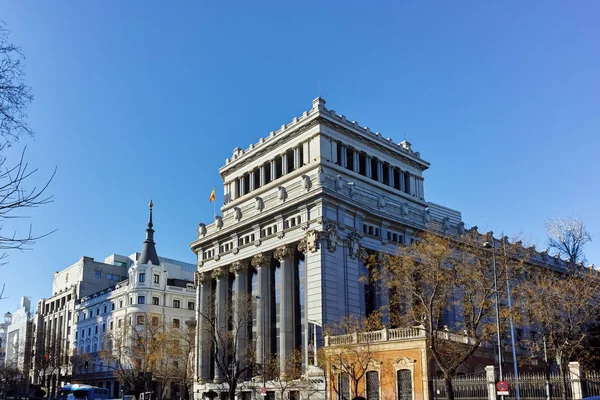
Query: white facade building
point(89, 287)
point(19, 339)
point(3, 332)
point(302, 208)
point(155, 289)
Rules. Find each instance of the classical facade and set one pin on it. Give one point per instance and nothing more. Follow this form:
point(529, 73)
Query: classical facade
point(302, 209)
point(100, 284)
point(3, 332)
point(19, 338)
point(157, 291)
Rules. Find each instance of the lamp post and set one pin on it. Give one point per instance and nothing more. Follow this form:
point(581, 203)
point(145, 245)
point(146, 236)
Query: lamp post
point(492, 246)
point(315, 324)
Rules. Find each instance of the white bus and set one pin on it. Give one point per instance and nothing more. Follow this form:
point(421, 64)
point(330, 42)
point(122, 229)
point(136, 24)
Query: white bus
point(83, 392)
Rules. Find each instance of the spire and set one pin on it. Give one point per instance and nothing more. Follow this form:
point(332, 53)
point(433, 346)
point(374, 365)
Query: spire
point(149, 251)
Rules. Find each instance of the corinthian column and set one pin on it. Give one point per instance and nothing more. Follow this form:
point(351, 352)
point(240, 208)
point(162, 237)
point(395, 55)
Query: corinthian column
point(263, 311)
point(221, 304)
point(242, 312)
point(285, 256)
point(203, 313)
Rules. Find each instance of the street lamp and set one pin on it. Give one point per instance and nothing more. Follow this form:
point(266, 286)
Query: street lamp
point(315, 324)
point(492, 246)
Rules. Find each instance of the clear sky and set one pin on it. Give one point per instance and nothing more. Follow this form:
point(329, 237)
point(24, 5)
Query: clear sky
point(143, 100)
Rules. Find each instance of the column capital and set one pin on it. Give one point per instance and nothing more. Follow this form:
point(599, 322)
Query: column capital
point(259, 260)
point(283, 252)
point(239, 267)
point(203, 277)
point(219, 273)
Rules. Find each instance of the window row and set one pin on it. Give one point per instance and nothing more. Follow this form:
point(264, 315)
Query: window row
point(404, 391)
point(381, 171)
point(266, 173)
point(142, 278)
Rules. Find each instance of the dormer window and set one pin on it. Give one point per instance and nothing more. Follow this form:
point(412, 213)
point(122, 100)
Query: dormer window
point(142, 277)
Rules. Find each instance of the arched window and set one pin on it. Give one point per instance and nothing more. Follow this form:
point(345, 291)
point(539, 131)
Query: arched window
point(404, 384)
point(372, 385)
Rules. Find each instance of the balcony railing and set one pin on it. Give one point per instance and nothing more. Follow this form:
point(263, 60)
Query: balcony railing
point(396, 334)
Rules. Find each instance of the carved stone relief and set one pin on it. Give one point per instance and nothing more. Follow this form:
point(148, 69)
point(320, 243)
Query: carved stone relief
point(259, 203)
point(201, 230)
point(283, 252)
point(331, 237)
point(353, 244)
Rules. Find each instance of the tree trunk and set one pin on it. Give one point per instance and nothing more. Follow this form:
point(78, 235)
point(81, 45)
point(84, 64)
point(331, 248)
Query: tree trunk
point(449, 387)
point(232, 387)
point(563, 380)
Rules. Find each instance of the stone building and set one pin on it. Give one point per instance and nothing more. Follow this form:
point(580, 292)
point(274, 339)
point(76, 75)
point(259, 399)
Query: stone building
point(157, 291)
point(3, 332)
point(299, 207)
point(19, 340)
point(56, 317)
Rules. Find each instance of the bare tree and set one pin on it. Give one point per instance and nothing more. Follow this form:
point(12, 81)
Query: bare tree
point(353, 357)
point(561, 308)
point(15, 196)
point(134, 350)
point(225, 333)
point(568, 237)
point(438, 276)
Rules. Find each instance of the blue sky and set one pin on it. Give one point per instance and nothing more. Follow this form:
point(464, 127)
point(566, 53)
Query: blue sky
point(138, 100)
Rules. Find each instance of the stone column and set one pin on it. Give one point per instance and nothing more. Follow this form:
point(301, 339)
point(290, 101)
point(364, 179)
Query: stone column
point(263, 311)
point(379, 171)
point(355, 162)
point(285, 256)
point(273, 170)
point(575, 373)
point(251, 181)
point(243, 187)
point(221, 302)
point(344, 160)
point(391, 176)
point(401, 177)
point(262, 175)
point(297, 161)
point(368, 169)
point(204, 313)
point(490, 377)
point(284, 169)
point(242, 311)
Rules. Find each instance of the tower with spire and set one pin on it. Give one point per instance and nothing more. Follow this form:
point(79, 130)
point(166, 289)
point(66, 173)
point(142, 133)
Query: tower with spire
point(149, 255)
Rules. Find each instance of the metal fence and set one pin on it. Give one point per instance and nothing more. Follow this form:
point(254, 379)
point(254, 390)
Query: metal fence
point(530, 386)
point(465, 388)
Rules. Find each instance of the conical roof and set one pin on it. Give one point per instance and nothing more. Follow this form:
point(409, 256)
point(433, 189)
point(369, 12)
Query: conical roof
point(149, 254)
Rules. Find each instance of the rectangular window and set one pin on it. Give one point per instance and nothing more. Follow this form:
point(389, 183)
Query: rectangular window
point(155, 301)
point(141, 299)
point(176, 304)
point(191, 305)
point(140, 320)
point(96, 329)
point(90, 331)
point(175, 323)
point(109, 276)
point(91, 313)
point(104, 327)
point(121, 303)
point(76, 335)
point(98, 274)
point(142, 277)
point(104, 309)
point(111, 325)
point(156, 278)
point(112, 305)
point(119, 323)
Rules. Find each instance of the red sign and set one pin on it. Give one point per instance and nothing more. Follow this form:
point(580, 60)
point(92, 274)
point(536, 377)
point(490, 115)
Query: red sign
point(502, 386)
point(263, 391)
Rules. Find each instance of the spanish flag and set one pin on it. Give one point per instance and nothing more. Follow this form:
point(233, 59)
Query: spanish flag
point(212, 196)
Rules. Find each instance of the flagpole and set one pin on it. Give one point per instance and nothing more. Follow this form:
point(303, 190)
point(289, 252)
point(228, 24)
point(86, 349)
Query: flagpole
point(214, 204)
